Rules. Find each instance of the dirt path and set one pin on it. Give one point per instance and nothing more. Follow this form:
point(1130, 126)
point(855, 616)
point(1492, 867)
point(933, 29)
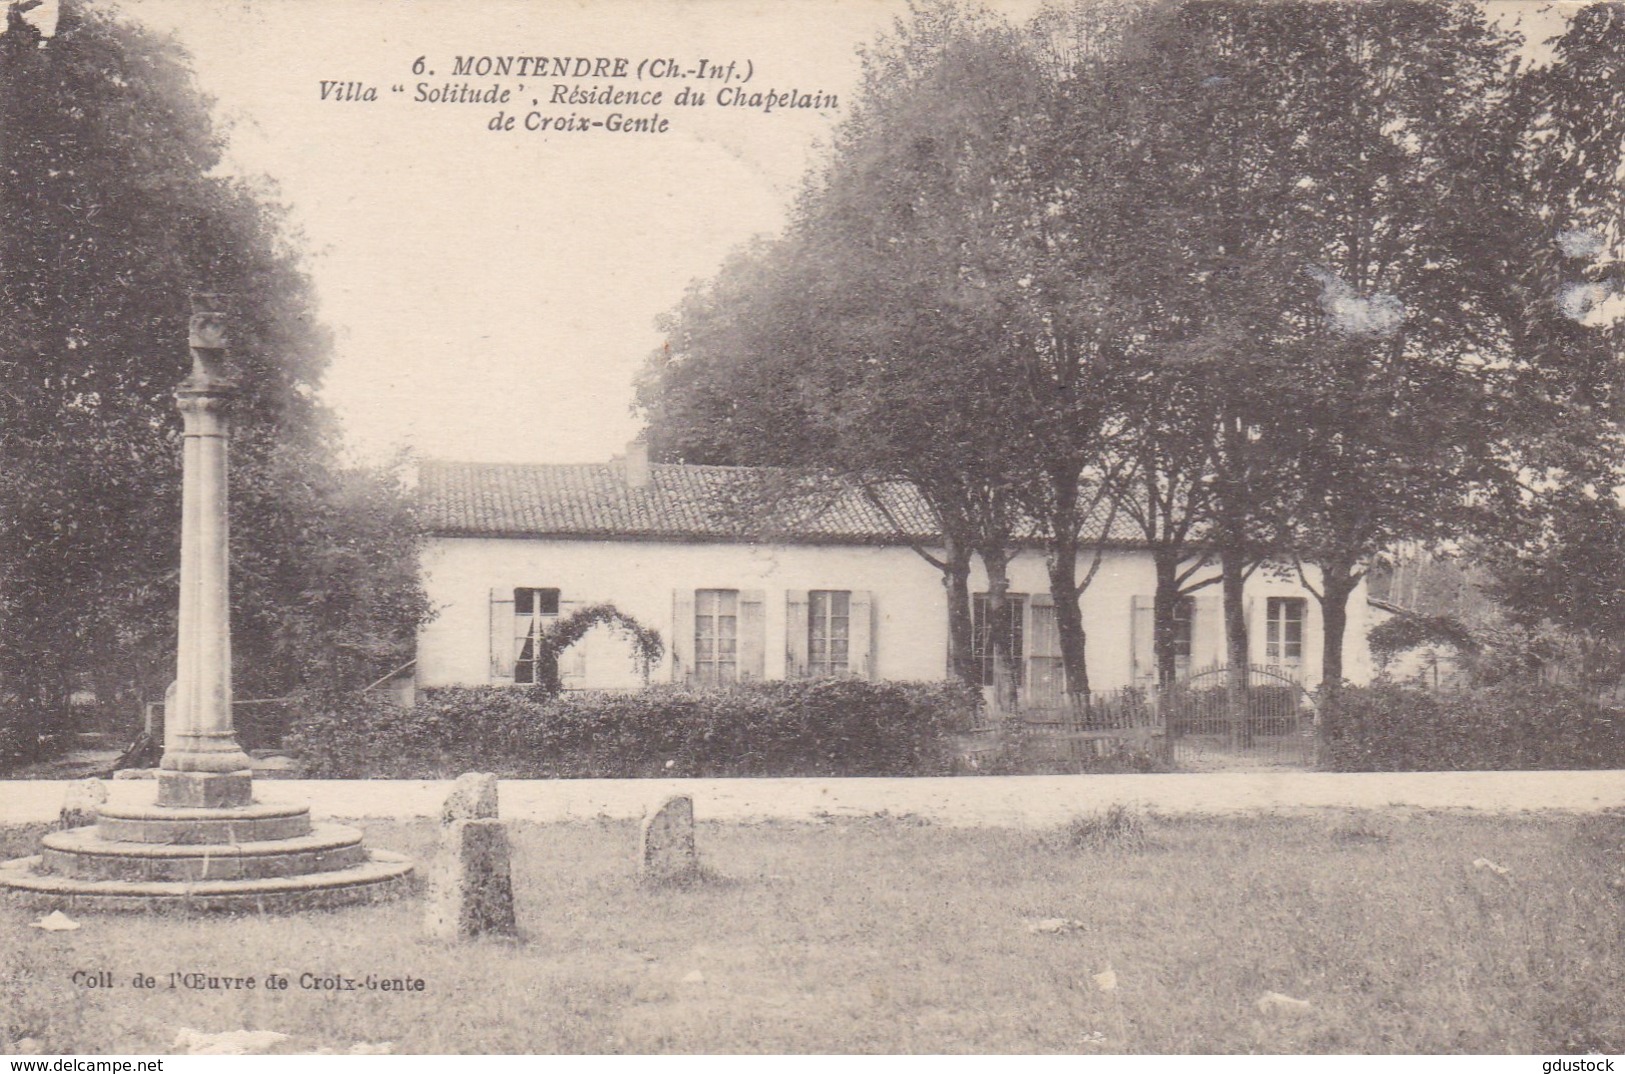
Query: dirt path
point(994, 801)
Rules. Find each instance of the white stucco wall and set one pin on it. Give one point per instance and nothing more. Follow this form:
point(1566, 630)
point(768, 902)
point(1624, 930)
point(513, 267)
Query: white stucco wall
point(1126, 574)
point(641, 577)
point(909, 619)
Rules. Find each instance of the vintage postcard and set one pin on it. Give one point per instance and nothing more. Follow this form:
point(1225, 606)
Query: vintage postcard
point(1080, 527)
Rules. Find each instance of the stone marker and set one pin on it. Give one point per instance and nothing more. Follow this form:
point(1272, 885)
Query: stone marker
point(667, 846)
point(470, 887)
point(473, 797)
point(79, 805)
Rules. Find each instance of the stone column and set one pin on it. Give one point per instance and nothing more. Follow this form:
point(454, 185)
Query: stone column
point(203, 765)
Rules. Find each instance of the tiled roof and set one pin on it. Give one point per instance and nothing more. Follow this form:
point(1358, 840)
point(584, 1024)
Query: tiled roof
point(678, 502)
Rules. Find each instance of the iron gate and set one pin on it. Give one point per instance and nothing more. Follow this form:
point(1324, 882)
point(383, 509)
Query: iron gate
point(1265, 717)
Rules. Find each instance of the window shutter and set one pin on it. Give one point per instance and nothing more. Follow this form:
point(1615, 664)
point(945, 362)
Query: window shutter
point(682, 635)
point(1142, 641)
point(502, 635)
point(860, 655)
point(1312, 640)
point(1255, 650)
point(1207, 631)
point(1041, 640)
point(1045, 677)
point(795, 634)
point(752, 635)
point(573, 661)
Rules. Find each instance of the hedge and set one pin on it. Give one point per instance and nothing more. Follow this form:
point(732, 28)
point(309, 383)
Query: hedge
point(824, 727)
point(1394, 728)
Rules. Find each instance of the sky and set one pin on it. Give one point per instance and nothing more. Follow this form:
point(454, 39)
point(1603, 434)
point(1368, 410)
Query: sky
point(494, 293)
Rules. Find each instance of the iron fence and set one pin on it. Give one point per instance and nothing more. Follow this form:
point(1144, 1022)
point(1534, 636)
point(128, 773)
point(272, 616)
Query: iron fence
point(1262, 717)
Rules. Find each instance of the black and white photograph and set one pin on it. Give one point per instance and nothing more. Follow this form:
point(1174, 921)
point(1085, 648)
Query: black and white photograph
point(1081, 528)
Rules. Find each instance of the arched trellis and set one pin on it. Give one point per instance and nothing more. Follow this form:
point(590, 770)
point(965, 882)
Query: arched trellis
point(551, 643)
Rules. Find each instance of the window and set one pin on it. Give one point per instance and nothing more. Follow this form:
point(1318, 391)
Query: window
point(533, 611)
point(1283, 637)
point(716, 636)
point(828, 633)
point(829, 620)
point(1184, 622)
point(981, 634)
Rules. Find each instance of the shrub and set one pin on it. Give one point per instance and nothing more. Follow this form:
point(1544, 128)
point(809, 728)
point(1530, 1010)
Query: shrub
point(1393, 728)
point(1120, 826)
point(820, 727)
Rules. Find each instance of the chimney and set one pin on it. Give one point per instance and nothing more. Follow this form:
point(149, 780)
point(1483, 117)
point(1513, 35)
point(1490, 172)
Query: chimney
point(637, 464)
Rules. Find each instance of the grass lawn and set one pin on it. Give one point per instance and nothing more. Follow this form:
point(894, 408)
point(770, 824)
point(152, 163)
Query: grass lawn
point(886, 935)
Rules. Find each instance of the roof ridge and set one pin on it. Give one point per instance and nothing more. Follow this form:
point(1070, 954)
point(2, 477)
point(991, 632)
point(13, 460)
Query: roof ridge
point(617, 462)
point(685, 501)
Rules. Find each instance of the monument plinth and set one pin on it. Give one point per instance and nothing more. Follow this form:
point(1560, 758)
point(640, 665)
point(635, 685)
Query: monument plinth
point(205, 843)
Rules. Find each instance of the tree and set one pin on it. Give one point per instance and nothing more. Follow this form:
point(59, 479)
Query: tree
point(115, 208)
point(1350, 206)
point(941, 314)
point(871, 339)
point(1566, 571)
point(1067, 221)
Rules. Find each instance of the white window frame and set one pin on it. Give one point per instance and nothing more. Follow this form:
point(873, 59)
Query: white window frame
point(982, 650)
point(821, 626)
point(1278, 645)
point(527, 626)
point(716, 667)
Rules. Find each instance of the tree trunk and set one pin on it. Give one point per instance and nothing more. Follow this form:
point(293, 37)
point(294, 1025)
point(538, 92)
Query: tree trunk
point(956, 580)
point(1162, 615)
point(1339, 577)
point(1337, 585)
point(1063, 588)
point(1235, 640)
point(996, 562)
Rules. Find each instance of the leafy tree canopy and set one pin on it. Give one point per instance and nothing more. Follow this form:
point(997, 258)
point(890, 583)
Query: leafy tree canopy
point(116, 206)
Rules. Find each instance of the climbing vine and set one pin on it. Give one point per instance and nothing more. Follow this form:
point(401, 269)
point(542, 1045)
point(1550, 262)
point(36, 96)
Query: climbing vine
point(1390, 638)
point(647, 648)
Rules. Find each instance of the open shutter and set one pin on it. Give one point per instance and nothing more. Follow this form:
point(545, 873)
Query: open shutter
point(795, 634)
point(1045, 674)
point(1142, 641)
point(860, 653)
point(1255, 648)
point(682, 635)
point(1312, 638)
point(1207, 630)
point(752, 635)
point(502, 635)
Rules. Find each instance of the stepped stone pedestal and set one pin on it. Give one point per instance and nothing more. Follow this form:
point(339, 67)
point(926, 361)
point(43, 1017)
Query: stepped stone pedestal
point(253, 857)
point(204, 844)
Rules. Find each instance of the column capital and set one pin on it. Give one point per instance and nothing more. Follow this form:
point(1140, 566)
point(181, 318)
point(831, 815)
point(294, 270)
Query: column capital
point(207, 336)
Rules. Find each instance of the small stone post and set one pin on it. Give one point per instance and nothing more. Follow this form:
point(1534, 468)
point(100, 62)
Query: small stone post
point(666, 847)
point(79, 805)
point(203, 765)
point(473, 797)
point(471, 884)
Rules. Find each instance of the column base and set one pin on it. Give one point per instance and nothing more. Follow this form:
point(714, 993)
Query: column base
point(205, 790)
